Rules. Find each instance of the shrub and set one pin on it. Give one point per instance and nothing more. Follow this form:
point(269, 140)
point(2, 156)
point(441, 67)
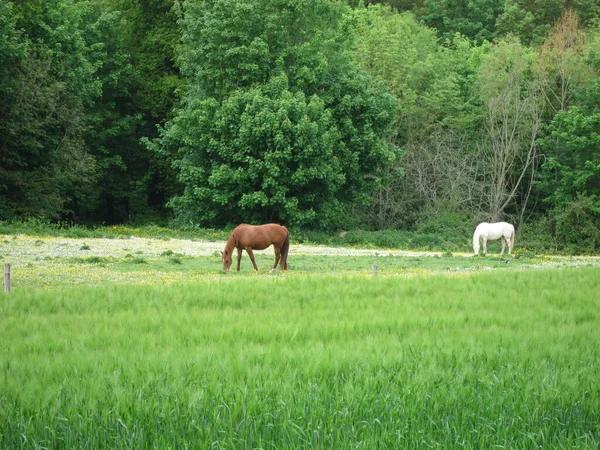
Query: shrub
point(447, 224)
point(578, 226)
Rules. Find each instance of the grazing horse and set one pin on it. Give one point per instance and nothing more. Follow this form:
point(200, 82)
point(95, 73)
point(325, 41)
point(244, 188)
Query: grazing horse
point(492, 231)
point(251, 237)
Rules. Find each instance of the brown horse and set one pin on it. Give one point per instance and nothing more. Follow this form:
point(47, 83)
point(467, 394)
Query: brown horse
point(250, 237)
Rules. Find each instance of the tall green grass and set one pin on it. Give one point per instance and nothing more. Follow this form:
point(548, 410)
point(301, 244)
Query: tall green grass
point(493, 360)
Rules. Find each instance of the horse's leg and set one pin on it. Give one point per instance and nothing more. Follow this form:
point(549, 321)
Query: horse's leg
point(484, 245)
point(503, 240)
point(239, 250)
point(249, 251)
point(277, 256)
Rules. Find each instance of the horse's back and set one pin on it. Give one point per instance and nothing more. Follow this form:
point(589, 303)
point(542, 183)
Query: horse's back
point(482, 226)
point(495, 230)
point(260, 237)
point(275, 232)
point(507, 228)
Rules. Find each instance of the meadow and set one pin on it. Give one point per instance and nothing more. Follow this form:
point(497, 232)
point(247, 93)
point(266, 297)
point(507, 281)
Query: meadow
point(144, 343)
point(43, 261)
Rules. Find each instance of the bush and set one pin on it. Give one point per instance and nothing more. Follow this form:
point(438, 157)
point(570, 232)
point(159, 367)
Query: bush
point(537, 236)
point(447, 224)
point(578, 226)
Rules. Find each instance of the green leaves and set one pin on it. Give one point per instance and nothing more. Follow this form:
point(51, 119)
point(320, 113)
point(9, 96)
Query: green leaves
point(278, 124)
point(259, 148)
point(294, 110)
point(46, 84)
point(572, 167)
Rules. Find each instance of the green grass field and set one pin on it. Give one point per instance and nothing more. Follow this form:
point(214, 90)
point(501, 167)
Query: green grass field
point(51, 262)
point(125, 347)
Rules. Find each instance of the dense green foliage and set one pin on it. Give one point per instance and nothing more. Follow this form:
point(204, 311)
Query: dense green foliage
point(317, 114)
point(48, 80)
point(491, 20)
point(277, 124)
point(306, 362)
point(71, 114)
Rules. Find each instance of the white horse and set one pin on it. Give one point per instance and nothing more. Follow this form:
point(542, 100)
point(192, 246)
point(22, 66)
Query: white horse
point(492, 231)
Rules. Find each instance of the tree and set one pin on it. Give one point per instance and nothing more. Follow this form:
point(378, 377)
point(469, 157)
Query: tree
point(440, 117)
point(277, 122)
point(509, 151)
point(571, 168)
point(12, 54)
point(488, 20)
point(475, 19)
point(532, 20)
point(45, 163)
point(572, 158)
point(569, 178)
point(562, 65)
point(134, 44)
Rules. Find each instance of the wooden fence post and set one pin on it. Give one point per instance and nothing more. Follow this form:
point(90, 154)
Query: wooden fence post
point(7, 277)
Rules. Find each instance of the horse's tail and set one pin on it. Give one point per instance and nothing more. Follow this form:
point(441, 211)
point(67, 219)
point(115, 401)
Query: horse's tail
point(285, 248)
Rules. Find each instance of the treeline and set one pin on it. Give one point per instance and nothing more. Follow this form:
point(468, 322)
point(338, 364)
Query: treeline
point(410, 114)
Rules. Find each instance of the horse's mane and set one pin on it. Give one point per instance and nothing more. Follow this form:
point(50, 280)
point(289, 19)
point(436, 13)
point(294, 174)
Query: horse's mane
point(231, 244)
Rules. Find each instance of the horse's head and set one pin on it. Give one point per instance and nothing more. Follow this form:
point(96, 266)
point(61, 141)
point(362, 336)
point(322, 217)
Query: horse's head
point(226, 258)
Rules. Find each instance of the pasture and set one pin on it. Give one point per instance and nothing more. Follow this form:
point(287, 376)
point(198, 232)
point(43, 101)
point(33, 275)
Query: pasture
point(145, 343)
point(50, 262)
